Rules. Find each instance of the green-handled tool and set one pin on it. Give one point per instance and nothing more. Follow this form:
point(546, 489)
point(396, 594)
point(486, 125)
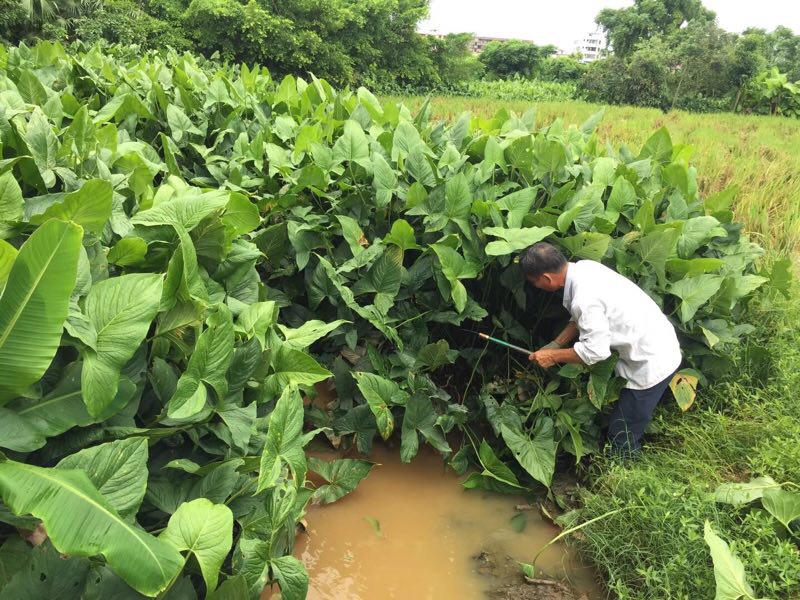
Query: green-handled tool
point(506, 344)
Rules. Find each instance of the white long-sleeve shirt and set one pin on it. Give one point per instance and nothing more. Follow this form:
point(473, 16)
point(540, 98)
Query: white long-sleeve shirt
point(613, 313)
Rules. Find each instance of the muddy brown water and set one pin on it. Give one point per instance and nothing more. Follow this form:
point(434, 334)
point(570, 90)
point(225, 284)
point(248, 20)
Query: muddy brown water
point(411, 531)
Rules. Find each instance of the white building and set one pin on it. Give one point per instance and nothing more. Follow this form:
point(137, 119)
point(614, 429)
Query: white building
point(591, 47)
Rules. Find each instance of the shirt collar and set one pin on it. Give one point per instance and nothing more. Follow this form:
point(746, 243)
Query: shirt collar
point(569, 285)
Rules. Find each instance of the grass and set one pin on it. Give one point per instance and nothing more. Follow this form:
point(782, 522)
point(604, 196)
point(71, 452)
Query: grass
point(742, 428)
point(757, 154)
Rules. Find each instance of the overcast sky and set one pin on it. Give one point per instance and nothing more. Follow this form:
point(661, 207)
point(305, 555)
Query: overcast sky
point(561, 22)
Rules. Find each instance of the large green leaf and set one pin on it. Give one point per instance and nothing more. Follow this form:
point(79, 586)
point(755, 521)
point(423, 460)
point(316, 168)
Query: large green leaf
point(694, 292)
point(458, 199)
point(419, 416)
point(588, 244)
point(744, 493)
point(43, 146)
point(291, 576)
point(352, 145)
point(658, 147)
point(383, 278)
point(117, 469)
point(121, 310)
point(783, 505)
point(656, 248)
point(180, 125)
point(728, 569)
point(183, 281)
point(342, 476)
point(8, 254)
point(187, 209)
point(518, 205)
point(44, 574)
point(381, 394)
point(26, 423)
point(494, 467)
point(205, 530)
point(537, 454)
point(34, 304)
point(696, 232)
point(207, 365)
point(514, 239)
point(93, 528)
point(11, 203)
point(623, 197)
point(128, 251)
point(308, 333)
point(256, 319)
point(284, 444)
point(89, 207)
point(295, 366)
point(402, 236)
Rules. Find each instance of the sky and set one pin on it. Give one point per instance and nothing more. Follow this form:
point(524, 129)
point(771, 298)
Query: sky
point(561, 22)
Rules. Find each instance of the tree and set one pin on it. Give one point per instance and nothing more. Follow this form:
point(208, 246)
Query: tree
point(563, 69)
point(215, 26)
point(452, 59)
point(626, 27)
point(514, 57)
point(699, 59)
point(12, 21)
point(124, 22)
point(748, 60)
point(782, 50)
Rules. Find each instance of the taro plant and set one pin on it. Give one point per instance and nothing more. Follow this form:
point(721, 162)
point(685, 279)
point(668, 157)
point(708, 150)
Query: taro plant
point(778, 500)
point(187, 249)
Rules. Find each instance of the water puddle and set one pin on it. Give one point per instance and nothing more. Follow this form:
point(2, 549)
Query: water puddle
point(412, 532)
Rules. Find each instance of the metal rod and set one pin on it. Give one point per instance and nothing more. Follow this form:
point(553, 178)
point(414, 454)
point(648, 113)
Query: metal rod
point(506, 344)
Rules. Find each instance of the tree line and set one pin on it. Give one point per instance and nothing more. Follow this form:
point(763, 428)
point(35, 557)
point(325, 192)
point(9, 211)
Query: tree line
point(664, 53)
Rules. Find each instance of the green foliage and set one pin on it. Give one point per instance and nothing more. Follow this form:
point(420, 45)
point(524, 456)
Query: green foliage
point(216, 26)
point(562, 69)
point(697, 67)
point(780, 48)
point(519, 89)
point(627, 27)
point(12, 20)
point(452, 60)
point(698, 457)
point(125, 22)
point(247, 238)
point(772, 93)
point(514, 58)
point(728, 569)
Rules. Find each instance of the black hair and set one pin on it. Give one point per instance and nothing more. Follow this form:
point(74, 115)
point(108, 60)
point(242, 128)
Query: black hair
point(541, 258)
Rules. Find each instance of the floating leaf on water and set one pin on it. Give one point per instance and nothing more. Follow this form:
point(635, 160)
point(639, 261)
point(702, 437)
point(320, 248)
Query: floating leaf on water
point(375, 524)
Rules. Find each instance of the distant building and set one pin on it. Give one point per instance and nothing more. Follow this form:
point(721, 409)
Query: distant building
point(591, 47)
point(479, 42)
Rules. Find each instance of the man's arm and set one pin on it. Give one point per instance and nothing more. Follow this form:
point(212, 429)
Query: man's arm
point(594, 340)
point(570, 332)
point(563, 339)
point(546, 358)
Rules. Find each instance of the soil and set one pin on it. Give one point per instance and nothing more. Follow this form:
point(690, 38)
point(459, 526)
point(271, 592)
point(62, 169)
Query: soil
point(511, 584)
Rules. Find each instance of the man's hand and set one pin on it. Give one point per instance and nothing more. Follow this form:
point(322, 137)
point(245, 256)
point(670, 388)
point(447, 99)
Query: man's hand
point(545, 357)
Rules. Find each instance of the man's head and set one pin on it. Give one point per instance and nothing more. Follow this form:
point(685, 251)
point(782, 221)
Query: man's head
point(544, 266)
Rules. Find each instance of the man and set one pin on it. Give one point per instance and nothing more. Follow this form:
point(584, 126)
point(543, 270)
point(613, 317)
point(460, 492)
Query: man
point(609, 312)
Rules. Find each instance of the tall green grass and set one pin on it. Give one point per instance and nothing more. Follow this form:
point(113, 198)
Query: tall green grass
point(742, 428)
point(758, 154)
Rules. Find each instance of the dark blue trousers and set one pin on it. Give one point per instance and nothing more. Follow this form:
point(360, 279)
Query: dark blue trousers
point(631, 415)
